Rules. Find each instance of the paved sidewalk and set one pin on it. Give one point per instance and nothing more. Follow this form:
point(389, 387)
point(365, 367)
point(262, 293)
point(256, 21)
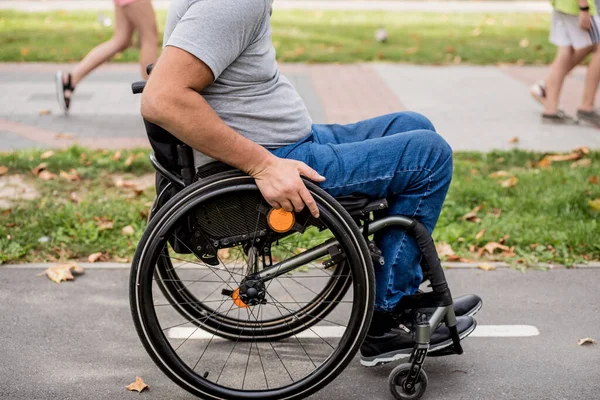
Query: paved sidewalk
point(76, 340)
point(389, 5)
point(475, 108)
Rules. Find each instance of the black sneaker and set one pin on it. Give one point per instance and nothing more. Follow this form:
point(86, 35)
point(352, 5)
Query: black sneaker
point(467, 305)
point(396, 344)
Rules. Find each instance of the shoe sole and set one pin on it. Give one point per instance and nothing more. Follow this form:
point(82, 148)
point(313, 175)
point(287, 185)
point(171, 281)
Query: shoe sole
point(60, 94)
point(592, 122)
point(474, 310)
point(405, 353)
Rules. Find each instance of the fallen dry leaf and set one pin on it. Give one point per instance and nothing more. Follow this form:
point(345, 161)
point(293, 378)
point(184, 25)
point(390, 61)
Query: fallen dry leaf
point(543, 163)
point(62, 272)
point(117, 155)
point(121, 259)
point(130, 160)
point(45, 111)
point(119, 182)
point(480, 234)
point(72, 175)
point(104, 225)
point(94, 257)
point(138, 385)
point(510, 182)
point(472, 215)
point(586, 341)
point(3, 170)
point(444, 249)
point(46, 175)
point(549, 159)
point(584, 162)
point(496, 212)
point(592, 179)
point(486, 267)
point(299, 250)
point(513, 139)
point(457, 60)
point(595, 204)
point(524, 43)
point(74, 197)
point(498, 174)
point(47, 154)
point(36, 171)
point(223, 254)
point(503, 239)
point(24, 51)
point(128, 230)
point(582, 150)
point(491, 248)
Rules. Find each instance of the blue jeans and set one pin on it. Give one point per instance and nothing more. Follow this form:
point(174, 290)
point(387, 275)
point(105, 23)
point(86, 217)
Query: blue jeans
point(399, 157)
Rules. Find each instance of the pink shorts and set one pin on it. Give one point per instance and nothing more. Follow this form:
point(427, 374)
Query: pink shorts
point(122, 3)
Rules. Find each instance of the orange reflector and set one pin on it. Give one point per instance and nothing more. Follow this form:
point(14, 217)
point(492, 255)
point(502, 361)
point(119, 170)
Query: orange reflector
point(280, 220)
point(236, 299)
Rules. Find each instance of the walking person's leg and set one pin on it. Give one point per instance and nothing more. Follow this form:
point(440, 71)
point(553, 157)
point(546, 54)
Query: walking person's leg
point(66, 82)
point(558, 71)
point(538, 89)
point(586, 111)
point(141, 15)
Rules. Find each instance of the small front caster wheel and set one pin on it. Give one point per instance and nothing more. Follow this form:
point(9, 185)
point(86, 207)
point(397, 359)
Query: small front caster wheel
point(397, 379)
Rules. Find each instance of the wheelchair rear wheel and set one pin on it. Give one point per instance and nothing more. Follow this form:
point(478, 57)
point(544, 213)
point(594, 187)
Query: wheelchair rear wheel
point(289, 333)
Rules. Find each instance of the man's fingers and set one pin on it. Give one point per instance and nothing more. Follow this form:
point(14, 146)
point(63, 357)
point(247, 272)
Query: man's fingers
point(297, 202)
point(286, 205)
point(310, 202)
point(310, 173)
point(273, 203)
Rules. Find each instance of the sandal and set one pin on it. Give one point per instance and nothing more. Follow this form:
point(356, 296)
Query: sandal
point(61, 87)
point(560, 118)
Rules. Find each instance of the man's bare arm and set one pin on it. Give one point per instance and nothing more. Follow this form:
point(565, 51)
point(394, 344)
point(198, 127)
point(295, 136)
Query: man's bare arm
point(171, 100)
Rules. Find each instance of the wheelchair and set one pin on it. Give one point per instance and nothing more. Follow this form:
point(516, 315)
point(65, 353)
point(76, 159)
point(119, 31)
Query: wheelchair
point(235, 300)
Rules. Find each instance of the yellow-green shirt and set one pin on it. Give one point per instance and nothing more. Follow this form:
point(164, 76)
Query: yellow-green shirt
point(572, 6)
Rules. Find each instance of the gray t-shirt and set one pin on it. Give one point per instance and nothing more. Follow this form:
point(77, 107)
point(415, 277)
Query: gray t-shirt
point(233, 37)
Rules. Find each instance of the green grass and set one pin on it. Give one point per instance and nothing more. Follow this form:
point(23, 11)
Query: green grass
point(548, 208)
point(314, 36)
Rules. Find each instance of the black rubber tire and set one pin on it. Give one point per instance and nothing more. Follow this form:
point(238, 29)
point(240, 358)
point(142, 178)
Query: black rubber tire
point(145, 319)
point(396, 383)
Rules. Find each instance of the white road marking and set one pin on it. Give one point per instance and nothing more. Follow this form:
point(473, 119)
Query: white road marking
point(505, 331)
point(324, 332)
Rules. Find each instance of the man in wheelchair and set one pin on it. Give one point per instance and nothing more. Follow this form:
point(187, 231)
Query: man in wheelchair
point(217, 88)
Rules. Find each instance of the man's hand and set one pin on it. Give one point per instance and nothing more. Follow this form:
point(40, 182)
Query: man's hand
point(585, 20)
point(278, 179)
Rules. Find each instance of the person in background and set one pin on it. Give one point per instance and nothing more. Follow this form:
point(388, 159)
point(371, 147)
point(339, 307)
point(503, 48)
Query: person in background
point(130, 16)
point(575, 30)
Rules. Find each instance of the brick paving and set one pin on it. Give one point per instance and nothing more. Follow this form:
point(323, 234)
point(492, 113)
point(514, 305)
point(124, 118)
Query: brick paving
point(475, 108)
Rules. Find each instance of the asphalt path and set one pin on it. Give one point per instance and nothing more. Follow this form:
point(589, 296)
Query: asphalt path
point(76, 340)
